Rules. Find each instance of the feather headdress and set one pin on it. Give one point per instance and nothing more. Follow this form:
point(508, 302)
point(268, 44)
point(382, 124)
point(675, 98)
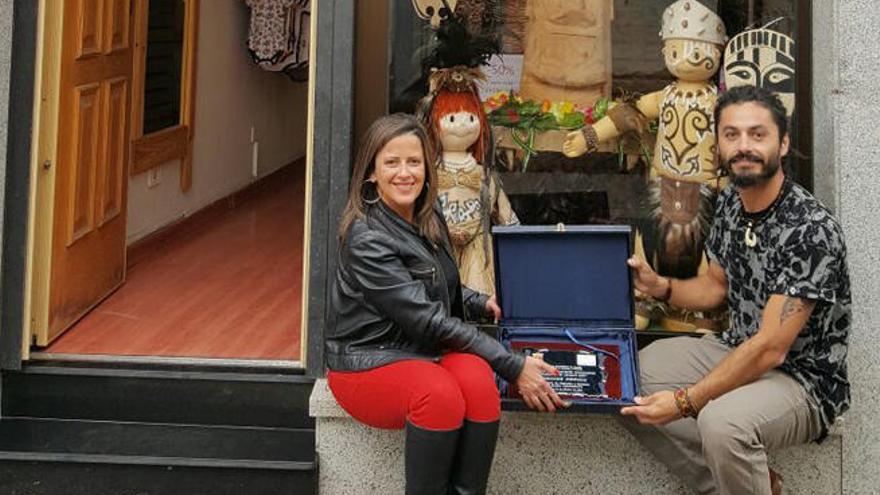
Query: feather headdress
point(452, 70)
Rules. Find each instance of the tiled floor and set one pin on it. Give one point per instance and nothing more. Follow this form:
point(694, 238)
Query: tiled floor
point(227, 286)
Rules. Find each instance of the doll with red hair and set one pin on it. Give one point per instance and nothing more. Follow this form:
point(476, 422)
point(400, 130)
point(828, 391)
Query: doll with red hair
point(470, 195)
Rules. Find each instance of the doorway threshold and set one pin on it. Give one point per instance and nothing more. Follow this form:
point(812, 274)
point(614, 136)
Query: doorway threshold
point(265, 365)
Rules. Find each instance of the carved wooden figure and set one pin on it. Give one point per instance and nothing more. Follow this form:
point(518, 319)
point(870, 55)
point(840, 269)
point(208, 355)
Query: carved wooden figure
point(763, 58)
point(684, 172)
point(567, 53)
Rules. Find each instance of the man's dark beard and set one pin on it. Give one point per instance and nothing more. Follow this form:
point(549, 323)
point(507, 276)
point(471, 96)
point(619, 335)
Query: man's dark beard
point(768, 169)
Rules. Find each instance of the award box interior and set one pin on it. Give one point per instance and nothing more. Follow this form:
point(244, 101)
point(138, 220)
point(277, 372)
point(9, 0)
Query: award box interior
point(566, 292)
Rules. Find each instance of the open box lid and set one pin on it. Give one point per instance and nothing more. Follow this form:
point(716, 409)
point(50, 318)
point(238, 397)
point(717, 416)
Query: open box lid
point(564, 274)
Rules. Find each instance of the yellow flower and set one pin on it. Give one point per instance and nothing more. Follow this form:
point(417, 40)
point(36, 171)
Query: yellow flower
point(567, 107)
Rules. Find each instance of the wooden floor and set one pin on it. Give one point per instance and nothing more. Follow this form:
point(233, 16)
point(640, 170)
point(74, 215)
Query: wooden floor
point(224, 285)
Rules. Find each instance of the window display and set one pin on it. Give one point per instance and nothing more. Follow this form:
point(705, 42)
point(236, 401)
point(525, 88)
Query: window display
point(589, 73)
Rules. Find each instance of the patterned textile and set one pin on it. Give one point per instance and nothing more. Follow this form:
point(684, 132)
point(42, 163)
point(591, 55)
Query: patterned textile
point(685, 148)
point(800, 253)
point(278, 38)
point(459, 196)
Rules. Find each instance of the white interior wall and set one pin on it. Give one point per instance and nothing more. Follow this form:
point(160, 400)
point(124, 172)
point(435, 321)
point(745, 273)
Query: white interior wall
point(232, 95)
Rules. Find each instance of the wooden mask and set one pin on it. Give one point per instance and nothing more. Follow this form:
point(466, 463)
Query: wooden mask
point(762, 58)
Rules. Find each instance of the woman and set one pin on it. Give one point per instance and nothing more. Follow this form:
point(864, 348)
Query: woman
point(399, 353)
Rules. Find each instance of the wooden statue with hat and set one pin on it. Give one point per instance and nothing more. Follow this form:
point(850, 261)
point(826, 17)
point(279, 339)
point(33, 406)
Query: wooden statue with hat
point(684, 175)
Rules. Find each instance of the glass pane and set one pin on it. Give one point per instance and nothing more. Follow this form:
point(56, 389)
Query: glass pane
point(164, 64)
point(604, 187)
point(567, 63)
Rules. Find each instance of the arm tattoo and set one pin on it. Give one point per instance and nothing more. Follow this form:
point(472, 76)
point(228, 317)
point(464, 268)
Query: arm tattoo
point(791, 307)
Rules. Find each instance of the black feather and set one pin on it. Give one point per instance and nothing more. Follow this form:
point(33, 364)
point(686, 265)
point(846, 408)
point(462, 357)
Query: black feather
point(453, 44)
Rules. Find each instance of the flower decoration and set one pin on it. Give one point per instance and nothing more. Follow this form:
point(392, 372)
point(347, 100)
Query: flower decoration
point(525, 118)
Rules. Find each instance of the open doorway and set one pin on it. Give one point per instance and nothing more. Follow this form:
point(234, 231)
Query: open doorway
point(211, 262)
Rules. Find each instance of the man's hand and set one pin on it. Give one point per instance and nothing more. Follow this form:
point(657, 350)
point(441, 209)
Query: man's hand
point(493, 310)
point(656, 409)
point(535, 390)
point(646, 279)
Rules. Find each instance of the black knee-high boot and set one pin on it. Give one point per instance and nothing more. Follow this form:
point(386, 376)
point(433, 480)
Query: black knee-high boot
point(428, 457)
point(473, 460)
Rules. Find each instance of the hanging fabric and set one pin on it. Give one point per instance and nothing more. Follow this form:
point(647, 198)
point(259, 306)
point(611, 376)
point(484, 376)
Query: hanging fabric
point(278, 38)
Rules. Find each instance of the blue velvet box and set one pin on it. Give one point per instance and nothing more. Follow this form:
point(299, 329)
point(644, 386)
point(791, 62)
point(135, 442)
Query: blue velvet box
point(567, 290)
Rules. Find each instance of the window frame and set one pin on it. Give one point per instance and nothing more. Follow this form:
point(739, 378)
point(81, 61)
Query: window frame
point(175, 142)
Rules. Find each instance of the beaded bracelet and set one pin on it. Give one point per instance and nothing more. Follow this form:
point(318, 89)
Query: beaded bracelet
point(591, 138)
point(667, 294)
point(683, 402)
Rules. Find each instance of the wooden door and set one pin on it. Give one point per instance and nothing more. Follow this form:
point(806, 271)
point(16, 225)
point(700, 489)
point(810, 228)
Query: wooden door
point(88, 233)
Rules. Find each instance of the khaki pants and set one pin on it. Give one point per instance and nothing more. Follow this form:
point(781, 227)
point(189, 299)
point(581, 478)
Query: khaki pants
point(724, 450)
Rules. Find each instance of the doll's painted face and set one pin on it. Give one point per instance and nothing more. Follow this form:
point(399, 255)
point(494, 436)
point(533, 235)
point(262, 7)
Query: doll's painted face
point(690, 60)
point(459, 130)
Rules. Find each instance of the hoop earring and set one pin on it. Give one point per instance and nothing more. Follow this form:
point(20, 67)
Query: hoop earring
point(369, 201)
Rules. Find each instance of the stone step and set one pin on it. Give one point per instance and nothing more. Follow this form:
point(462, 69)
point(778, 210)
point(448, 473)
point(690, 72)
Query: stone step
point(42, 455)
point(273, 398)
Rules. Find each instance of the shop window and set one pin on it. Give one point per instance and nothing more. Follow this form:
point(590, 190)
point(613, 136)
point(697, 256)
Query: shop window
point(619, 42)
point(588, 56)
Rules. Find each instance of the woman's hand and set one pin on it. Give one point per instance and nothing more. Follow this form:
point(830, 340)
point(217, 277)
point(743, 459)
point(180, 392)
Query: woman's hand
point(493, 309)
point(535, 390)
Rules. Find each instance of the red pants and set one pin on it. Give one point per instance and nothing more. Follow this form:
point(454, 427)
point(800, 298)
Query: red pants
point(432, 396)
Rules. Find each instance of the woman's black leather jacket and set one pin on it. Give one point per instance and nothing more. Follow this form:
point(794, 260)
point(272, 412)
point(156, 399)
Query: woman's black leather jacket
point(390, 301)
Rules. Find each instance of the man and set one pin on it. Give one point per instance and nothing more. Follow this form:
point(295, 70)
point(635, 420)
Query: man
point(777, 376)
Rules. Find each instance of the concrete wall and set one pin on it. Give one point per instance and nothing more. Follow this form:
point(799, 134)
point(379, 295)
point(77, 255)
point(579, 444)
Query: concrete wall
point(825, 82)
point(5, 51)
point(846, 52)
point(232, 95)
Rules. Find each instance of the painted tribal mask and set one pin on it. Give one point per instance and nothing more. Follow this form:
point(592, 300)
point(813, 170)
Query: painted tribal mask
point(763, 58)
point(434, 10)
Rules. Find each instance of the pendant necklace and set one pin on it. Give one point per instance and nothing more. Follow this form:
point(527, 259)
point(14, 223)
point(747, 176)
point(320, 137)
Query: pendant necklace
point(750, 238)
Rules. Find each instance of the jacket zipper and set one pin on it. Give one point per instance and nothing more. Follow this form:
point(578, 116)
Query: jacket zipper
point(432, 272)
point(444, 292)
